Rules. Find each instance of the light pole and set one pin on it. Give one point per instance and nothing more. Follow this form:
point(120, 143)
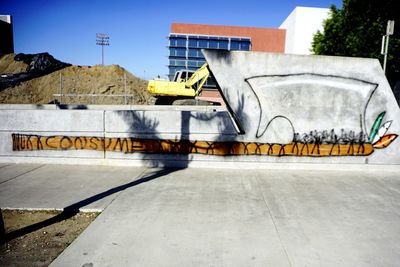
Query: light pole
point(385, 42)
point(102, 39)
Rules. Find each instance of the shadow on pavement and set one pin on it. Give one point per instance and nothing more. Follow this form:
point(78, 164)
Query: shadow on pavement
point(73, 209)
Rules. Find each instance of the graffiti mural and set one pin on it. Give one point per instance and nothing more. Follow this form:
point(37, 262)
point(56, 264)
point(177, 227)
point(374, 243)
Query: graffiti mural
point(274, 136)
point(330, 102)
point(314, 144)
point(276, 106)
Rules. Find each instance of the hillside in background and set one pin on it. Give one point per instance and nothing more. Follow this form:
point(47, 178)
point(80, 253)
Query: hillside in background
point(40, 79)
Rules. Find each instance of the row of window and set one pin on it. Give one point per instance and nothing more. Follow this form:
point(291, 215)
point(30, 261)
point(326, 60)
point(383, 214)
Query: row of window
point(185, 50)
point(177, 52)
point(203, 36)
point(211, 44)
point(208, 37)
point(190, 63)
point(181, 52)
point(196, 53)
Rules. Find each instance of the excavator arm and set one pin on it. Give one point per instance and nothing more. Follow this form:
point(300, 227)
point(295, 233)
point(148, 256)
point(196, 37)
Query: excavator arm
point(198, 79)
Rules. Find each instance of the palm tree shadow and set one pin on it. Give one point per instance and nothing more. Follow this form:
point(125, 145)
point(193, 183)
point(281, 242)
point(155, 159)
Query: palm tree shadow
point(73, 209)
point(137, 122)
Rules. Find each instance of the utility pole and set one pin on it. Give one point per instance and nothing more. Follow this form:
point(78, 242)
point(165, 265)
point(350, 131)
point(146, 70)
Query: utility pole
point(385, 42)
point(102, 39)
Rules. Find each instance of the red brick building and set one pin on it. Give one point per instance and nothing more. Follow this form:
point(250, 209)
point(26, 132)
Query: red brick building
point(262, 39)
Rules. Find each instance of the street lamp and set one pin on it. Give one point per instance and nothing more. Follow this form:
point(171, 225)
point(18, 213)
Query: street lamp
point(102, 39)
point(385, 42)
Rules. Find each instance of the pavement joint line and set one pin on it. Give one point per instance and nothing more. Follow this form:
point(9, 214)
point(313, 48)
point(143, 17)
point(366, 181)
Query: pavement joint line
point(119, 193)
point(273, 221)
point(5, 166)
point(34, 169)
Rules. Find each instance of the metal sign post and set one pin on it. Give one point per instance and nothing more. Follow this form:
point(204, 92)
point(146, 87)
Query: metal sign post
point(385, 42)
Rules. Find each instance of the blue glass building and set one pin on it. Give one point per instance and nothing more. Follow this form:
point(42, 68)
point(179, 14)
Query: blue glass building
point(185, 49)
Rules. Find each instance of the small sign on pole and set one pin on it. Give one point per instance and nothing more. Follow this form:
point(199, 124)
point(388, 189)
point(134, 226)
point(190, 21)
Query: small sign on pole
point(390, 27)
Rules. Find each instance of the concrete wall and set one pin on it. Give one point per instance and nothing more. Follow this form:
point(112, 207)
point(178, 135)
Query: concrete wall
point(71, 134)
point(282, 99)
point(280, 109)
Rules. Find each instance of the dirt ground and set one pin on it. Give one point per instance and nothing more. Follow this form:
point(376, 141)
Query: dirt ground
point(40, 247)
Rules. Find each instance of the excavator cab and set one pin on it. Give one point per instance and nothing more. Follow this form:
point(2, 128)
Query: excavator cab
point(183, 75)
point(186, 85)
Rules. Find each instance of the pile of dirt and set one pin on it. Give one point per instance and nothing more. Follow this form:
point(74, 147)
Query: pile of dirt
point(71, 84)
point(10, 66)
point(37, 65)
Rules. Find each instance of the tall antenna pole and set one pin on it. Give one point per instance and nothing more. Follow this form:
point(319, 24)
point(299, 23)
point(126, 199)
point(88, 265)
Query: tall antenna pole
point(102, 39)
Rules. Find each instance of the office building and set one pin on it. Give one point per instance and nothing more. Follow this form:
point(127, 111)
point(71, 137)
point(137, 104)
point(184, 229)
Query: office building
point(300, 26)
point(187, 40)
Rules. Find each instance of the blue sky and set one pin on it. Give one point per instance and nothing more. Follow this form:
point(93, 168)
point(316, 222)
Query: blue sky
point(138, 29)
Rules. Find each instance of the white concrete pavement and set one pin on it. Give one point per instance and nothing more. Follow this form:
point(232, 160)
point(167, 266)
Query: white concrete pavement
point(33, 186)
point(219, 217)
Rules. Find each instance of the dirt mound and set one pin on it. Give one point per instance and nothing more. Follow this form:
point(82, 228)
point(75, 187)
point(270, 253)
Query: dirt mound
point(37, 65)
point(73, 85)
point(10, 66)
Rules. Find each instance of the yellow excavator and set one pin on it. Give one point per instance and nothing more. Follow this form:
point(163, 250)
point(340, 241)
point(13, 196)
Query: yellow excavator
point(186, 85)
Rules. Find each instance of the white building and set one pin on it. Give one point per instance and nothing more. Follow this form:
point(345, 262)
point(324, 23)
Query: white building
point(300, 26)
point(6, 35)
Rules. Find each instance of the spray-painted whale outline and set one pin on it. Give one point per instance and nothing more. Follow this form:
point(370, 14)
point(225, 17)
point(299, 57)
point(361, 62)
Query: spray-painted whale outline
point(261, 130)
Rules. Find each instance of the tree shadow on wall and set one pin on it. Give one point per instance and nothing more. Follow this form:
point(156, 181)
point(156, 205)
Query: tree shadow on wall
point(179, 153)
point(141, 127)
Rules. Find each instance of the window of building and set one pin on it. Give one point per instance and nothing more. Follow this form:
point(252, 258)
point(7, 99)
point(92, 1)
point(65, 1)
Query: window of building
point(181, 52)
point(172, 42)
point(181, 42)
point(192, 63)
point(203, 43)
point(213, 44)
point(223, 45)
point(235, 45)
point(180, 63)
point(195, 53)
point(245, 45)
point(193, 42)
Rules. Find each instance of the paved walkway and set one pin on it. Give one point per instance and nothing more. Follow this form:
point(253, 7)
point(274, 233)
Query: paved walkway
point(215, 217)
